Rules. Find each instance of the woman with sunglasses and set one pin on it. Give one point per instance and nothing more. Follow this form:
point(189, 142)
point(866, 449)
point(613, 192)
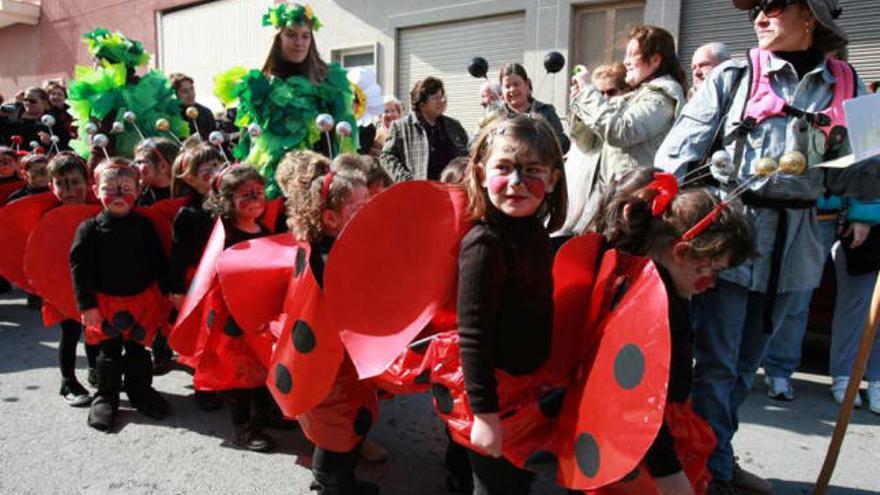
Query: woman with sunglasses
point(788, 96)
point(633, 126)
point(582, 162)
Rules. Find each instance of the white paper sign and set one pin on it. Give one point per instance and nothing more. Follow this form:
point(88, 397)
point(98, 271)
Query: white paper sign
point(863, 123)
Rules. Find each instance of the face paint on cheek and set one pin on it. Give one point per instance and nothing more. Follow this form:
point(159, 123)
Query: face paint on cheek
point(498, 183)
point(704, 283)
point(536, 187)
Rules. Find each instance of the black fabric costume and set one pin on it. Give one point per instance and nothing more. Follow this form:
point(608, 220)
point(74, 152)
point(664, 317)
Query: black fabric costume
point(26, 191)
point(152, 195)
point(505, 317)
point(505, 303)
point(117, 256)
point(661, 458)
point(191, 230)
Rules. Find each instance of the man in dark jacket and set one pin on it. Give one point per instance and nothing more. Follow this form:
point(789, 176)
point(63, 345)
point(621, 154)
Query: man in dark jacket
point(421, 144)
point(186, 93)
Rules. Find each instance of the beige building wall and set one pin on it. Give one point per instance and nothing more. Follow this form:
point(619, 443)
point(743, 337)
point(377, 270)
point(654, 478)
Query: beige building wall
point(356, 23)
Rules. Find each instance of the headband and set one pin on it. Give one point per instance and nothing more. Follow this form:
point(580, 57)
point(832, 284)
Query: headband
point(288, 15)
point(325, 188)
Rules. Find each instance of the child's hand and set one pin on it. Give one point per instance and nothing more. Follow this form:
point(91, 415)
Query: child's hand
point(486, 434)
point(92, 317)
point(176, 300)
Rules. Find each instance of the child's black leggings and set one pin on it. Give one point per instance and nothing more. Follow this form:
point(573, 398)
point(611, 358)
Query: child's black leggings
point(70, 332)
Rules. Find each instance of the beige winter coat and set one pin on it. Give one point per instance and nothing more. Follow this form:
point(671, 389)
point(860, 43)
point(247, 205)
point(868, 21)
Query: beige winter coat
point(631, 126)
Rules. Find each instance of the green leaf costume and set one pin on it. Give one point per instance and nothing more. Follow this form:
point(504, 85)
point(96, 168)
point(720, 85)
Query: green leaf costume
point(285, 110)
point(102, 92)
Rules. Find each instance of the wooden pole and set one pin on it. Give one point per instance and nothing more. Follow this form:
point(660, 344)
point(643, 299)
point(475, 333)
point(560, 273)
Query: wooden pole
point(855, 380)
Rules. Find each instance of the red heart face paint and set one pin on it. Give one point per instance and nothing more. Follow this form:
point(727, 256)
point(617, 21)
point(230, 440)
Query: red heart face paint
point(704, 283)
point(118, 195)
point(250, 200)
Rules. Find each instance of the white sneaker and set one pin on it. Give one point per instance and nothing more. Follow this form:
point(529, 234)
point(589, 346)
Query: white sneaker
point(874, 397)
point(838, 391)
point(779, 388)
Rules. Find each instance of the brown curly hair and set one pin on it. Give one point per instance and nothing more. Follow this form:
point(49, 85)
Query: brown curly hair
point(302, 184)
point(220, 201)
point(626, 221)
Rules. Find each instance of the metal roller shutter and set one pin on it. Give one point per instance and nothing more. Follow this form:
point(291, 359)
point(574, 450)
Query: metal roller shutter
point(703, 21)
point(443, 50)
point(211, 38)
point(861, 21)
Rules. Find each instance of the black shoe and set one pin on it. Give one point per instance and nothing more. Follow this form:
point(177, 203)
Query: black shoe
point(253, 439)
point(75, 394)
point(208, 401)
point(718, 487)
point(34, 302)
point(102, 414)
point(150, 403)
point(162, 367)
point(93, 377)
point(359, 488)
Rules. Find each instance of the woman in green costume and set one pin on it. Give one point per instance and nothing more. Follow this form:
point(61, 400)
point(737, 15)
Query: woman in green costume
point(279, 105)
point(101, 97)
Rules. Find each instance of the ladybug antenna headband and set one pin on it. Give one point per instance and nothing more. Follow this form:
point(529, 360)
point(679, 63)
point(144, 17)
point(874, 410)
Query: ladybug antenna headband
point(325, 188)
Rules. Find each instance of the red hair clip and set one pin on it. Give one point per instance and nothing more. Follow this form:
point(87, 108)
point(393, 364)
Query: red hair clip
point(325, 188)
point(667, 188)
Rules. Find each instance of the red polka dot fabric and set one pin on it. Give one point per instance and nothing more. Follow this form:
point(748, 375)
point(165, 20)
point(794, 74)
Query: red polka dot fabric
point(136, 318)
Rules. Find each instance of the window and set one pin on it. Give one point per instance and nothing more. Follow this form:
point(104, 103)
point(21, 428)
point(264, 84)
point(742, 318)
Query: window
point(601, 31)
point(349, 58)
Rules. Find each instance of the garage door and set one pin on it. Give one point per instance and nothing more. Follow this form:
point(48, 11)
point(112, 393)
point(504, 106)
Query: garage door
point(443, 50)
point(703, 21)
point(211, 38)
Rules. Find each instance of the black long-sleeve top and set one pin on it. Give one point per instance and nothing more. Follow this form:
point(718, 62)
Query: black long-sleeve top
point(661, 458)
point(117, 256)
point(505, 303)
point(151, 195)
point(25, 191)
point(190, 232)
point(318, 255)
point(234, 235)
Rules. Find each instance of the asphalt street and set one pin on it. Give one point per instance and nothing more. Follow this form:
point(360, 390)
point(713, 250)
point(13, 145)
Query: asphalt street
point(47, 448)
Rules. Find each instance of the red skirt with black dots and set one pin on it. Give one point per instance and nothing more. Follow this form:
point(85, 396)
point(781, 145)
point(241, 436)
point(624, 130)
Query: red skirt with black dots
point(228, 357)
point(341, 421)
point(134, 318)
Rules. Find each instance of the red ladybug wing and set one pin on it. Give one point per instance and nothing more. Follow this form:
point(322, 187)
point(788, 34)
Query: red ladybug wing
point(254, 276)
point(202, 282)
point(47, 258)
point(574, 274)
point(309, 352)
point(393, 268)
point(609, 427)
point(274, 209)
point(8, 188)
point(161, 214)
point(17, 220)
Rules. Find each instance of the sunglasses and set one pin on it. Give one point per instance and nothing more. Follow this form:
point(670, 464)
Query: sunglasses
point(32, 100)
point(771, 8)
